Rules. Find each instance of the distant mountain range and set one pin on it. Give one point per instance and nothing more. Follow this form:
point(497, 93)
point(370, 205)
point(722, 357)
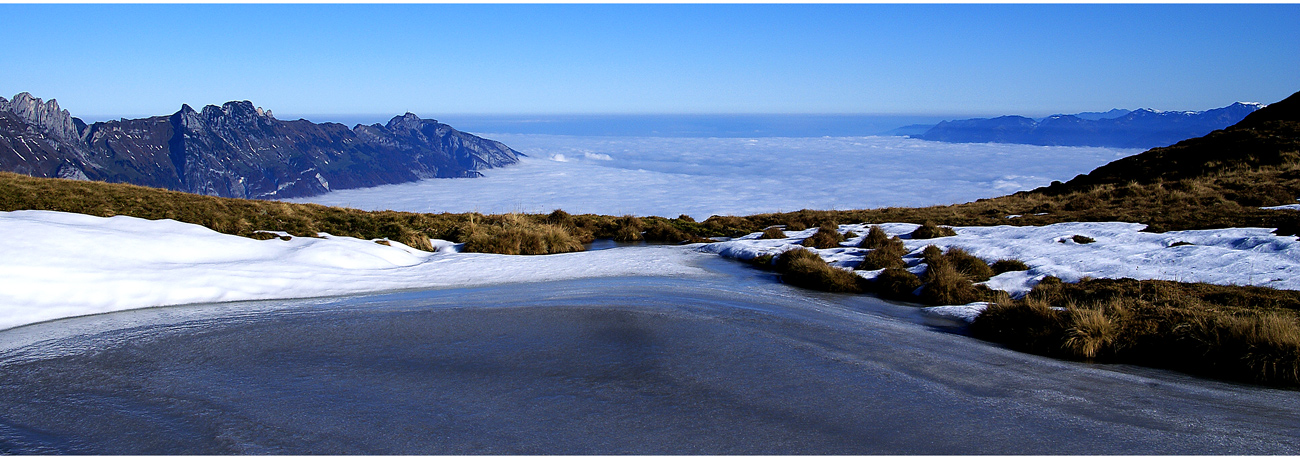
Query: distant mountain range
point(1115, 128)
point(1269, 137)
point(237, 150)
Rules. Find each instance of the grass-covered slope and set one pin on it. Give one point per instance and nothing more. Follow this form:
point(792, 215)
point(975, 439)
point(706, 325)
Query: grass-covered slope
point(512, 234)
point(245, 217)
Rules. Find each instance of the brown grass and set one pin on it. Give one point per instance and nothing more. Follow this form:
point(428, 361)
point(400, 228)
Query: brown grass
point(662, 230)
point(628, 229)
point(517, 235)
point(1008, 265)
point(826, 237)
point(928, 230)
point(806, 269)
point(1091, 329)
point(876, 238)
point(773, 232)
point(896, 284)
point(1242, 333)
point(972, 267)
point(888, 254)
point(945, 285)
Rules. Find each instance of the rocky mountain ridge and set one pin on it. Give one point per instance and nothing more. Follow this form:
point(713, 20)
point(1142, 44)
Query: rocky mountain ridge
point(1143, 128)
point(237, 150)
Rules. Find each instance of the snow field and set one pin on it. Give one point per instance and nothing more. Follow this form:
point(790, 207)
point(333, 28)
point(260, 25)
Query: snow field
point(63, 264)
point(1232, 256)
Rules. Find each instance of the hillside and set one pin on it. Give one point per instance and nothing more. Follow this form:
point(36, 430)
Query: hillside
point(1268, 138)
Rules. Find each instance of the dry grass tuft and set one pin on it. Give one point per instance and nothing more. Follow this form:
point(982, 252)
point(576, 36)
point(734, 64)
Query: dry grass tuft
point(1090, 330)
point(784, 260)
point(888, 254)
point(826, 237)
point(1008, 265)
point(876, 238)
point(628, 229)
point(806, 269)
point(928, 230)
point(773, 232)
point(516, 235)
point(662, 230)
point(945, 285)
point(968, 265)
point(897, 284)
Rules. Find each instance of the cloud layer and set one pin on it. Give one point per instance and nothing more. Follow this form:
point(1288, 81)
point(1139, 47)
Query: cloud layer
point(733, 176)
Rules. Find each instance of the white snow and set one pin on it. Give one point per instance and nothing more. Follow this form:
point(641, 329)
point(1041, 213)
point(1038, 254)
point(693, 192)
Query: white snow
point(62, 265)
point(1232, 256)
point(962, 312)
point(669, 176)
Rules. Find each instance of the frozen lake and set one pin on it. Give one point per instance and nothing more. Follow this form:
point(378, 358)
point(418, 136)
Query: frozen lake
point(731, 363)
point(703, 176)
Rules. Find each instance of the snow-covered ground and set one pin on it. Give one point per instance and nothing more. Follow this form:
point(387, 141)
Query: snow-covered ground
point(62, 265)
point(668, 176)
point(1232, 256)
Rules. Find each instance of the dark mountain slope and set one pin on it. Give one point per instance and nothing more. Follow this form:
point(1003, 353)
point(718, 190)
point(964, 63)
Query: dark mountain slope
point(237, 150)
point(1269, 137)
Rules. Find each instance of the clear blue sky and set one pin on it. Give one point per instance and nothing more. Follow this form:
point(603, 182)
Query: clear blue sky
point(130, 60)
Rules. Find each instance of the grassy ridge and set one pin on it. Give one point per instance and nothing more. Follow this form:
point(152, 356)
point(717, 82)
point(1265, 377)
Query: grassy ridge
point(508, 234)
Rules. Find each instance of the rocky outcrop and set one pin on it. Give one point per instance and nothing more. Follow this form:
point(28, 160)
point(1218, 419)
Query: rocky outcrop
point(238, 150)
point(46, 116)
point(1135, 129)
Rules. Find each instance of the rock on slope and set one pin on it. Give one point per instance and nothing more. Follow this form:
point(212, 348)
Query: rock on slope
point(237, 150)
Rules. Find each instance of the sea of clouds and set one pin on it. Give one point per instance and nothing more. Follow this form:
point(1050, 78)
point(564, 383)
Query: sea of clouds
point(668, 176)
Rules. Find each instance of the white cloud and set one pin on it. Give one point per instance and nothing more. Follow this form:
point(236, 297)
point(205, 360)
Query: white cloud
point(707, 176)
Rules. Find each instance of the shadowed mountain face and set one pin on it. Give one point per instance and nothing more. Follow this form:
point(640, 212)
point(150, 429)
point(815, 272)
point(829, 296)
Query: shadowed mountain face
point(1268, 137)
point(1135, 129)
point(237, 150)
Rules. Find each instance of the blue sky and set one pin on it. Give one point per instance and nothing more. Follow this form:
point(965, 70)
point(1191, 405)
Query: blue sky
point(131, 60)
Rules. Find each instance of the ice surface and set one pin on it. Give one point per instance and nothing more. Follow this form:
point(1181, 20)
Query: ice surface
point(700, 177)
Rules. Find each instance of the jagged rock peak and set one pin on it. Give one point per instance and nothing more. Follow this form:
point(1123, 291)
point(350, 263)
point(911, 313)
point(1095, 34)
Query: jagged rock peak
point(406, 122)
point(47, 115)
point(240, 112)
